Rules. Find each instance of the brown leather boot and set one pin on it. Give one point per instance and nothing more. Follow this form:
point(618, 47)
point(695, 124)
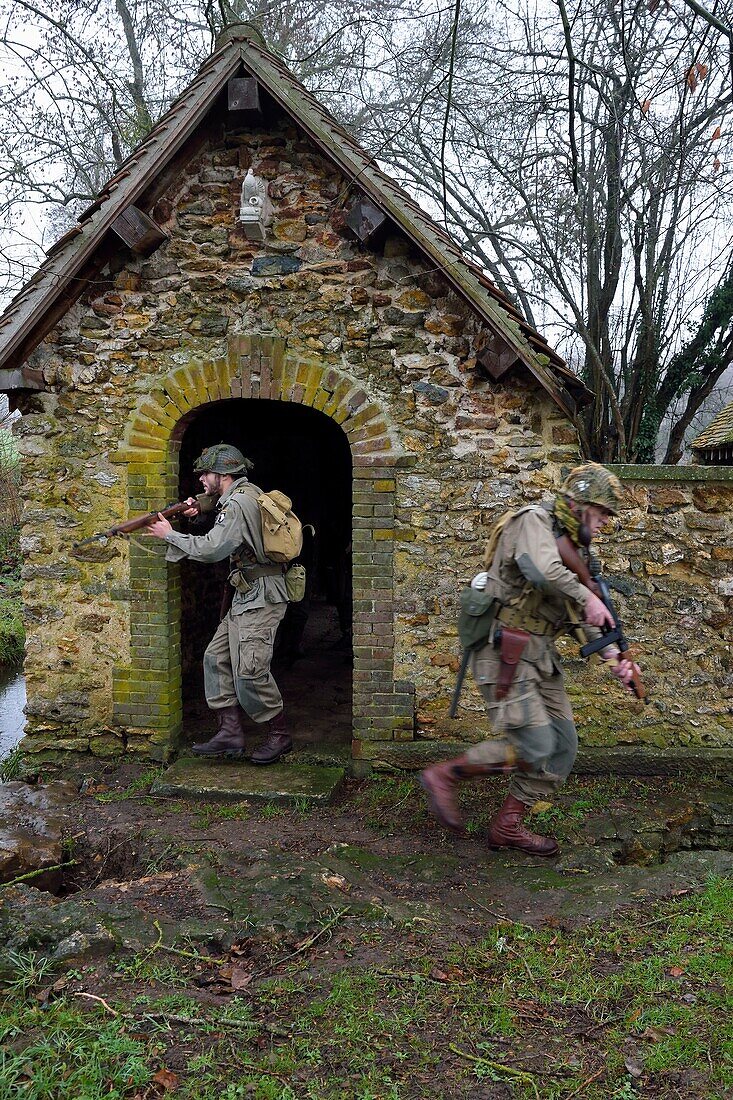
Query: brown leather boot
point(277, 743)
point(439, 781)
point(229, 739)
point(507, 831)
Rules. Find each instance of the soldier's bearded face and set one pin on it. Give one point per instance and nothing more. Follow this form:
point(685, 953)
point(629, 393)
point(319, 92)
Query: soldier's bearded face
point(595, 518)
point(210, 482)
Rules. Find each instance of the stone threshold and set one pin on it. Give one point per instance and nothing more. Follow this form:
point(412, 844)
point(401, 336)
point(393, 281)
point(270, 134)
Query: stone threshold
point(238, 781)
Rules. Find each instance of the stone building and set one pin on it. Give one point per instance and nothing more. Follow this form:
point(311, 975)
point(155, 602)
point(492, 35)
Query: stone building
point(251, 275)
point(714, 446)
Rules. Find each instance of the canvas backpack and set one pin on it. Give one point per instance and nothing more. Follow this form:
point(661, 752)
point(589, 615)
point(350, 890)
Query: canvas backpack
point(282, 531)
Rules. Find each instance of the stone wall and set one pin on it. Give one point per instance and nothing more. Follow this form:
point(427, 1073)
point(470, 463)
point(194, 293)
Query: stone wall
point(375, 340)
point(670, 563)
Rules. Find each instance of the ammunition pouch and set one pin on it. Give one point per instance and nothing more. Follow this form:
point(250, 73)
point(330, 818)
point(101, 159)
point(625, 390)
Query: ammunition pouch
point(512, 644)
point(476, 618)
point(241, 576)
point(518, 618)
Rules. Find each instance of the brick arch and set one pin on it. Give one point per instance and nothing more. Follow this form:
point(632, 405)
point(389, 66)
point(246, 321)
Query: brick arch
point(261, 368)
point(147, 694)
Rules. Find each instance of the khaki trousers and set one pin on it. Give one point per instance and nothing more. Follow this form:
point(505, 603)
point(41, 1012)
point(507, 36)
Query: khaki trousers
point(535, 719)
point(237, 663)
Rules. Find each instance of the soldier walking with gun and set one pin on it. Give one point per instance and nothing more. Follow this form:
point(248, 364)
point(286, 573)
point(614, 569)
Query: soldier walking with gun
point(539, 577)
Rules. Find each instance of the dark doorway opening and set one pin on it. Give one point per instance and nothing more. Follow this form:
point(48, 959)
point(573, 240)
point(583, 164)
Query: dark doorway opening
point(306, 455)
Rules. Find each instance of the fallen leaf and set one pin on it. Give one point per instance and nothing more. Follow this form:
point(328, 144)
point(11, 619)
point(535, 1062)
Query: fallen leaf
point(716, 134)
point(676, 971)
point(337, 882)
point(438, 975)
point(634, 1066)
point(716, 165)
point(241, 977)
point(167, 1080)
point(645, 106)
point(656, 1034)
point(702, 70)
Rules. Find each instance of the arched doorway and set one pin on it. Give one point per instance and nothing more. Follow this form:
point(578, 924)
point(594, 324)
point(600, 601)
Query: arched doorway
point(305, 454)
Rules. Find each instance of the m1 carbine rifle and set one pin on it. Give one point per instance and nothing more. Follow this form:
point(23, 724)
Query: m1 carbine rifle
point(591, 577)
point(139, 522)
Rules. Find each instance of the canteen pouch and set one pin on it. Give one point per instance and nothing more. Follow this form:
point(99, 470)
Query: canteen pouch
point(295, 583)
point(476, 617)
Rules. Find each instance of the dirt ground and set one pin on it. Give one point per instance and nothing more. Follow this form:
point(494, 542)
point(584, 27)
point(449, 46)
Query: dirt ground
point(270, 910)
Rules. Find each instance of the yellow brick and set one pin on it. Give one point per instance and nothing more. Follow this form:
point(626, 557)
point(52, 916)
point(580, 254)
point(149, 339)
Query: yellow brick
point(211, 382)
point(382, 534)
point(178, 396)
point(147, 443)
point(151, 428)
point(155, 412)
point(320, 399)
point(224, 376)
point(384, 485)
point(315, 374)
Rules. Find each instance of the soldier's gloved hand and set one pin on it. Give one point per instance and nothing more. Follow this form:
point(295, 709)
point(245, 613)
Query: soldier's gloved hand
point(479, 581)
point(596, 613)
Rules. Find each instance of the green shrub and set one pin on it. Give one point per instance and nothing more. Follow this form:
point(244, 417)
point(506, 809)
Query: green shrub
point(12, 634)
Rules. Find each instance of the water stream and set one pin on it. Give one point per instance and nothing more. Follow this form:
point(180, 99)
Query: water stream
point(12, 701)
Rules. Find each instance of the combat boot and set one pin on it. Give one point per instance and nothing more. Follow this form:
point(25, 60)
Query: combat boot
point(277, 743)
point(229, 738)
point(507, 831)
point(440, 781)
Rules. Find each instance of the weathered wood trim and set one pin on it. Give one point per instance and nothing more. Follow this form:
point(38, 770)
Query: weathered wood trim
point(138, 231)
point(244, 95)
point(21, 379)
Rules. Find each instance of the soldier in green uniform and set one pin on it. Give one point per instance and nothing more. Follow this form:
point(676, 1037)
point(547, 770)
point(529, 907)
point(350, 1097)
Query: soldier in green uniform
point(237, 675)
point(539, 595)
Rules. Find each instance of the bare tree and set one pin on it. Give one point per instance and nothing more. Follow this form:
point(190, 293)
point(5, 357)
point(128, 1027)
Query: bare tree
point(577, 151)
point(583, 173)
point(87, 79)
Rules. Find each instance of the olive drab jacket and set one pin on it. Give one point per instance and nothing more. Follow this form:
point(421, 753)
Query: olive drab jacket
point(529, 578)
point(238, 527)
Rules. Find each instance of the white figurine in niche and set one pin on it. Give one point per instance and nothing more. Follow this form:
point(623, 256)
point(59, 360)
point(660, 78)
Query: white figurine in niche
point(255, 208)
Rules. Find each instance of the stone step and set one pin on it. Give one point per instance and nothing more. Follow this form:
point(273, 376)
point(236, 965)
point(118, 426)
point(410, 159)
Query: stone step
point(215, 781)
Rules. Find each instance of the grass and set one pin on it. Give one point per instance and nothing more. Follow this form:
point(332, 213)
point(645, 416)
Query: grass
point(547, 1014)
point(140, 783)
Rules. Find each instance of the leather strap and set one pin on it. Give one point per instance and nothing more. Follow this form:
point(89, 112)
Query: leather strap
point(252, 572)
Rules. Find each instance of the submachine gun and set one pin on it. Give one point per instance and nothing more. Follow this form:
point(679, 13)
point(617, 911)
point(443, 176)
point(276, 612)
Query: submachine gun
point(591, 577)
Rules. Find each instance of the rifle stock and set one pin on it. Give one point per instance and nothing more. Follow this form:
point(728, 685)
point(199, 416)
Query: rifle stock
point(138, 522)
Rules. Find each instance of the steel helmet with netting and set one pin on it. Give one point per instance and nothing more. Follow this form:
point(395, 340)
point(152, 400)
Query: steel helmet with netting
point(592, 483)
point(222, 459)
